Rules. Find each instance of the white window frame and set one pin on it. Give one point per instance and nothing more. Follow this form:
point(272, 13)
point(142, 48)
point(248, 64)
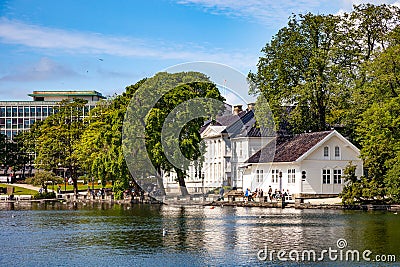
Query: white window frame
point(275, 176)
point(326, 149)
point(326, 176)
point(337, 155)
point(337, 176)
point(291, 176)
point(259, 176)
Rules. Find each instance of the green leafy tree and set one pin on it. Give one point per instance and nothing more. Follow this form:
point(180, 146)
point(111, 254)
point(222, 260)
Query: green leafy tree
point(57, 137)
point(189, 140)
point(100, 148)
point(378, 127)
point(313, 71)
point(300, 72)
point(42, 178)
point(352, 190)
point(147, 116)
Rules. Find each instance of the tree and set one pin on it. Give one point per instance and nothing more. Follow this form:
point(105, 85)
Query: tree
point(185, 147)
point(57, 137)
point(100, 148)
point(13, 154)
point(313, 70)
point(352, 190)
point(300, 72)
point(378, 127)
point(42, 178)
point(150, 151)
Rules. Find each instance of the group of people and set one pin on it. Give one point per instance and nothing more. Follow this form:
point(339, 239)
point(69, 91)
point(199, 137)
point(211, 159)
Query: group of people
point(273, 195)
point(249, 196)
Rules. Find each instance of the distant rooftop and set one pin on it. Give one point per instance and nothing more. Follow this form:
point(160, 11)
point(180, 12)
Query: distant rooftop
point(66, 93)
point(60, 95)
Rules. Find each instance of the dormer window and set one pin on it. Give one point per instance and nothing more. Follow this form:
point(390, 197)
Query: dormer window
point(326, 152)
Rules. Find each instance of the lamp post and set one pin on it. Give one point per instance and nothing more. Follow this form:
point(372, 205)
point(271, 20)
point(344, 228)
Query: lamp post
point(280, 181)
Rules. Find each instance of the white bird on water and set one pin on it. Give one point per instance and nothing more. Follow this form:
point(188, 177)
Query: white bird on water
point(164, 232)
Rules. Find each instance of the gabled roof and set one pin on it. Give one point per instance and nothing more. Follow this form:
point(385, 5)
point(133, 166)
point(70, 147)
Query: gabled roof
point(240, 123)
point(233, 124)
point(230, 119)
point(212, 131)
point(289, 149)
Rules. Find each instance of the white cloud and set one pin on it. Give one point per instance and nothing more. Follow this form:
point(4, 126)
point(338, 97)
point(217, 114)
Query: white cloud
point(44, 69)
point(268, 12)
point(274, 13)
point(347, 5)
point(74, 42)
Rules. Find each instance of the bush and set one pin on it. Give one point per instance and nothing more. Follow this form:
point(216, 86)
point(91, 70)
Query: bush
point(41, 178)
point(48, 195)
point(118, 189)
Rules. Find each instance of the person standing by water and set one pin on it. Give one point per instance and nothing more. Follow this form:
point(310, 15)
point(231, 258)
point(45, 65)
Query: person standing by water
point(246, 195)
point(221, 193)
point(270, 193)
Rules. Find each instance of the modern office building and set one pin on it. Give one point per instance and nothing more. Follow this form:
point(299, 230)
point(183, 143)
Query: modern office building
point(17, 116)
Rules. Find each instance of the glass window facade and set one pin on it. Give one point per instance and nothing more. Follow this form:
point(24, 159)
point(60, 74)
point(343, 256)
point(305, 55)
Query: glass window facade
point(17, 116)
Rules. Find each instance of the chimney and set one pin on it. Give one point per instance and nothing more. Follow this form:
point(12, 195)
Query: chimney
point(237, 109)
point(250, 106)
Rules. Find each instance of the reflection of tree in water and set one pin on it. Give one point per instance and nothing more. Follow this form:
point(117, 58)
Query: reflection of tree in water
point(128, 227)
point(376, 231)
point(185, 228)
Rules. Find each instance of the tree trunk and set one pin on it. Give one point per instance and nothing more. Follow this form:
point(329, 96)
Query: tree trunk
point(181, 180)
point(74, 179)
point(160, 183)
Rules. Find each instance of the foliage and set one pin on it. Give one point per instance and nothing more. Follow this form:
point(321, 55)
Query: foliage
point(45, 195)
point(312, 70)
point(13, 153)
point(57, 137)
point(100, 148)
point(42, 177)
point(119, 188)
point(191, 86)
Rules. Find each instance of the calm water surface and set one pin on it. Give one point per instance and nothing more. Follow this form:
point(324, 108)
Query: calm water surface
point(124, 235)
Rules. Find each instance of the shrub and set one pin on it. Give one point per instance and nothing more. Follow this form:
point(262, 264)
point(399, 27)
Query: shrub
point(48, 195)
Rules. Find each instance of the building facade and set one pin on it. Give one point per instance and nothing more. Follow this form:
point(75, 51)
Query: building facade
point(309, 163)
point(216, 170)
point(17, 116)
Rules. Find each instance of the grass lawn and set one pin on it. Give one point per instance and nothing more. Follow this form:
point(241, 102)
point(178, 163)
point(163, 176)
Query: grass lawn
point(20, 190)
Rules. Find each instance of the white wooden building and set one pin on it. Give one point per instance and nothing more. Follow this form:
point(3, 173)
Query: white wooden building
point(309, 163)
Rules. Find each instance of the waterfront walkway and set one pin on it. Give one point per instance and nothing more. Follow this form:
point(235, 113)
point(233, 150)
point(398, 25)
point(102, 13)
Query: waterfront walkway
point(27, 186)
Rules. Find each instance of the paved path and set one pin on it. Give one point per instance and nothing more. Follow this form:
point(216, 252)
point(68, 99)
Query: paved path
point(31, 187)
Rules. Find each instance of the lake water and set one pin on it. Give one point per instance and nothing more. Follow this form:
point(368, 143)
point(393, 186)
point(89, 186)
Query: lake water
point(132, 235)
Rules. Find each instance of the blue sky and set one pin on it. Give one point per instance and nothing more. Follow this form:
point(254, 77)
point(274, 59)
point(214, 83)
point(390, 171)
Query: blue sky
point(106, 45)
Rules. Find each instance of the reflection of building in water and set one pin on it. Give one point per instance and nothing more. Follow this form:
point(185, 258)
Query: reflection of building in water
point(17, 116)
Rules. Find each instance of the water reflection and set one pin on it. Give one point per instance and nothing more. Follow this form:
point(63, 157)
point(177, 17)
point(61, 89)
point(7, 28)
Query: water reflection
point(98, 234)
